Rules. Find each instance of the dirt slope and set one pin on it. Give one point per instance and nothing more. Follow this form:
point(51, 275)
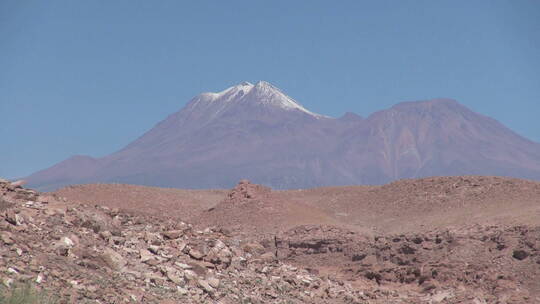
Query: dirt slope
point(183, 204)
point(403, 206)
point(423, 204)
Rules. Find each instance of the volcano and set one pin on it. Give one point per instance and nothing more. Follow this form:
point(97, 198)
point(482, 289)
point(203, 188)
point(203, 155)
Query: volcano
point(257, 132)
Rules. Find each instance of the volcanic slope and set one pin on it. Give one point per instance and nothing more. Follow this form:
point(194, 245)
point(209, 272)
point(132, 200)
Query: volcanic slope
point(256, 131)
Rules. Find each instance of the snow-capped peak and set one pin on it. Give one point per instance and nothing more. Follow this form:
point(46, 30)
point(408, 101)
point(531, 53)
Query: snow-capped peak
point(266, 93)
point(229, 93)
point(262, 92)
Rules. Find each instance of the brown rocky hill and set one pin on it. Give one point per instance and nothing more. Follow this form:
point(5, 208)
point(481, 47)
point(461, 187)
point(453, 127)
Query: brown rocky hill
point(257, 245)
point(403, 206)
point(259, 133)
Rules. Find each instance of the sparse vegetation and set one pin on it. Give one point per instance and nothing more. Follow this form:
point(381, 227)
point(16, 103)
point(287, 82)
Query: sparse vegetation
point(25, 294)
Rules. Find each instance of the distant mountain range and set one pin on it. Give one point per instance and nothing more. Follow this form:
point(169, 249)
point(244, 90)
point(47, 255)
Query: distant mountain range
point(259, 133)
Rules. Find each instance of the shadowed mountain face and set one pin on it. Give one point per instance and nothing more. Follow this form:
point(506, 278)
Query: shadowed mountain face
point(259, 133)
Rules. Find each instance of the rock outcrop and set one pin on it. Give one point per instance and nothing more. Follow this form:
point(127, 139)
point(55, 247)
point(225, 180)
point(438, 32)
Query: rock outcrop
point(486, 264)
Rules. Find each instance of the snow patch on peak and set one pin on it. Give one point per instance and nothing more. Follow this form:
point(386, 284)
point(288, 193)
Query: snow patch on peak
point(262, 92)
point(229, 93)
point(266, 93)
point(264, 84)
point(244, 86)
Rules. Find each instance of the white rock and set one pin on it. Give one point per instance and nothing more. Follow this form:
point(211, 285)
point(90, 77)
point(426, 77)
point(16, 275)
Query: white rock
point(67, 241)
point(205, 285)
point(190, 275)
point(214, 282)
point(182, 265)
point(154, 249)
point(180, 246)
point(145, 255)
point(172, 275)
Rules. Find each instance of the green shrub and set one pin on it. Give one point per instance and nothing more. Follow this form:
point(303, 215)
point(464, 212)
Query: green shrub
point(25, 294)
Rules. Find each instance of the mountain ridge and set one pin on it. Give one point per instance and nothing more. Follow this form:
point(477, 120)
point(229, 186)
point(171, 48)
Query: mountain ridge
point(260, 133)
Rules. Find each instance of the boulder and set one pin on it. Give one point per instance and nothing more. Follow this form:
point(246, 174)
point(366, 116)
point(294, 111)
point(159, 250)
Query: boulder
point(520, 254)
point(172, 234)
point(14, 218)
point(205, 286)
point(7, 238)
point(254, 248)
point(113, 259)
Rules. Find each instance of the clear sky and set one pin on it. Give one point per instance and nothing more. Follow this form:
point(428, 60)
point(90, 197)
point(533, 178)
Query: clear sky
point(87, 77)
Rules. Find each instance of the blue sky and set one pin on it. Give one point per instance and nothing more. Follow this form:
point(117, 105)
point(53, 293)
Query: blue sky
point(87, 77)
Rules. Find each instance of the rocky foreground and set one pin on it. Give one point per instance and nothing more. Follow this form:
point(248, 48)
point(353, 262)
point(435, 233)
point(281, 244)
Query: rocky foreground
point(92, 254)
point(95, 254)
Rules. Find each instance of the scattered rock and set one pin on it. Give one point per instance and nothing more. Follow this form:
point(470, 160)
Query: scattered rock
point(113, 260)
point(520, 254)
point(14, 218)
point(196, 254)
point(190, 275)
point(95, 254)
point(172, 274)
point(6, 238)
point(173, 234)
point(205, 286)
point(145, 255)
point(254, 248)
point(245, 191)
point(213, 282)
point(67, 242)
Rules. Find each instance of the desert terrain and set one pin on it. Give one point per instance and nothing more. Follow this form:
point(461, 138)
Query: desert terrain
point(414, 205)
point(463, 239)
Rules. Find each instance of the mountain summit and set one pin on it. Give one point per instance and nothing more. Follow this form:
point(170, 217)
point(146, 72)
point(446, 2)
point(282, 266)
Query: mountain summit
point(256, 131)
point(245, 94)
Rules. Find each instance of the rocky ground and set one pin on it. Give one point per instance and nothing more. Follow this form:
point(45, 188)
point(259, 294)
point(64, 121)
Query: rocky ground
point(93, 253)
point(478, 264)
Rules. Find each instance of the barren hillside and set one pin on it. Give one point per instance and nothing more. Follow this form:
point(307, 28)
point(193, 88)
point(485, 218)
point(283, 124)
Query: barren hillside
point(467, 239)
point(403, 206)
